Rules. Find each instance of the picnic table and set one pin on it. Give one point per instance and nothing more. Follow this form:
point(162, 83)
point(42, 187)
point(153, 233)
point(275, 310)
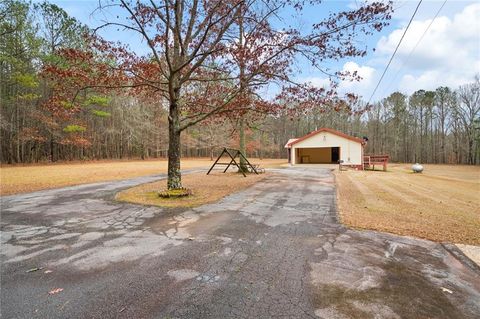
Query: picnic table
point(369, 161)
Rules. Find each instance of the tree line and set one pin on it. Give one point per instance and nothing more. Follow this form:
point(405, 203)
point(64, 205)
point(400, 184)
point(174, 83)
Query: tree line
point(38, 123)
point(69, 93)
point(441, 126)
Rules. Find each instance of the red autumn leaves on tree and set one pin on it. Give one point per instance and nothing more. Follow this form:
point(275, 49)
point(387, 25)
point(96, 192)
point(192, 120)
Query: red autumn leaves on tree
point(210, 59)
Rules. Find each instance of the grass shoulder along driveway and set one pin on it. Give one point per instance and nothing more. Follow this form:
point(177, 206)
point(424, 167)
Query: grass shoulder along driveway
point(15, 179)
point(441, 204)
point(205, 188)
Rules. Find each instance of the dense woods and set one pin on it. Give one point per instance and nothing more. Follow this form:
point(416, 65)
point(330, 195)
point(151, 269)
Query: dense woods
point(441, 126)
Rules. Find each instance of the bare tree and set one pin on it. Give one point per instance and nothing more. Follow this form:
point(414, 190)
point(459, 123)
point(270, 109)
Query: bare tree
point(469, 112)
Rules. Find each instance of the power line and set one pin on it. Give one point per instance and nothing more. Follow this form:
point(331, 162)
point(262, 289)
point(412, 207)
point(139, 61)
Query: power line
point(418, 42)
point(394, 52)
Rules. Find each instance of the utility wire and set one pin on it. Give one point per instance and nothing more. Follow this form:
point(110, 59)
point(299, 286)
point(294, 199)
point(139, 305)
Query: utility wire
point(418, 42)
point(394, 52)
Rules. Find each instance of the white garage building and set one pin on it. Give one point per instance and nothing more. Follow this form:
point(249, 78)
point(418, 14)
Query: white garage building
point(326, 146)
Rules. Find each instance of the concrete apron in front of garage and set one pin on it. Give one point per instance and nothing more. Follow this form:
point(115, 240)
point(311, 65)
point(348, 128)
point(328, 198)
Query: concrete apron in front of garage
point(274, 250)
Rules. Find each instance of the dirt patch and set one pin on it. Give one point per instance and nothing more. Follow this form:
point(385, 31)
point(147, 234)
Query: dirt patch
point(205, 189)
point(441, 204)
point(28, 178)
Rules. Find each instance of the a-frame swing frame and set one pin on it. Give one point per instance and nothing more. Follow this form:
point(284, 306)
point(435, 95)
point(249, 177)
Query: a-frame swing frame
point(236, 154)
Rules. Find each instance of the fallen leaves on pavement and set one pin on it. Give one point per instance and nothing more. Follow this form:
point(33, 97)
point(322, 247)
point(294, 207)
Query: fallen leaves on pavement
point(55, 291)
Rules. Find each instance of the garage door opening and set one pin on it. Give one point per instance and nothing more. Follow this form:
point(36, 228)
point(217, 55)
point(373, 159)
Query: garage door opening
point(318, 155)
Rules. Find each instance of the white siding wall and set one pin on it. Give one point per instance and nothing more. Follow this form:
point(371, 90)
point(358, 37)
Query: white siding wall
point(350, 151)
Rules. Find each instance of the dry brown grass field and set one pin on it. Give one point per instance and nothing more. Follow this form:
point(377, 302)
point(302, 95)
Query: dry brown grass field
point(28, 178)
point(440, 204)
point(205, 188)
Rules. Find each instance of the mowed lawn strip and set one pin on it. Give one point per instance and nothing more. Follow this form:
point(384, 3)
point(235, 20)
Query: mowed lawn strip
point(22, 179)
point(205, 188)
point(442, 204)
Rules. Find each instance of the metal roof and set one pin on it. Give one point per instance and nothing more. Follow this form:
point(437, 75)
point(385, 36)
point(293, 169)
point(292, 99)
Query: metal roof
point(323, 129)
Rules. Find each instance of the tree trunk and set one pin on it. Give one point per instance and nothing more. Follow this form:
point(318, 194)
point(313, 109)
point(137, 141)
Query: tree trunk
point(243, 149)
point(174, 176)
point(243, 93)
point(52, 145)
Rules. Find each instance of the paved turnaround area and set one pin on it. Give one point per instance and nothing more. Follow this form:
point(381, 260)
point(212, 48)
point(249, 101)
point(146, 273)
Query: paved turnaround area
point(275, 250)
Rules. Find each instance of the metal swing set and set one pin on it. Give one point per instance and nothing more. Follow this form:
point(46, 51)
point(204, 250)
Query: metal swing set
point(233, 154)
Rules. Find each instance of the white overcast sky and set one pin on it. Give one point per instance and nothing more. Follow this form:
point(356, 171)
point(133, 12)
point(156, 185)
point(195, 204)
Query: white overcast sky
point(448, 54)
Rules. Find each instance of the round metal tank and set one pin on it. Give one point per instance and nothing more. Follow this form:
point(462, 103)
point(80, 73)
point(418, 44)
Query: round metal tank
point(417, 168)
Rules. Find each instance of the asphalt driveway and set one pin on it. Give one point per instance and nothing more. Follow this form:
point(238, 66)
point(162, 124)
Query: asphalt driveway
point(275, 250)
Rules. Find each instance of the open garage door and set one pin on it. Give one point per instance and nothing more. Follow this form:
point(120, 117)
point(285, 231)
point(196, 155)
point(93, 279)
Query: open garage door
point(318, 155)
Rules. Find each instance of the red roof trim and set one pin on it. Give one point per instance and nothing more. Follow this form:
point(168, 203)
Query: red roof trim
point(328, 130)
